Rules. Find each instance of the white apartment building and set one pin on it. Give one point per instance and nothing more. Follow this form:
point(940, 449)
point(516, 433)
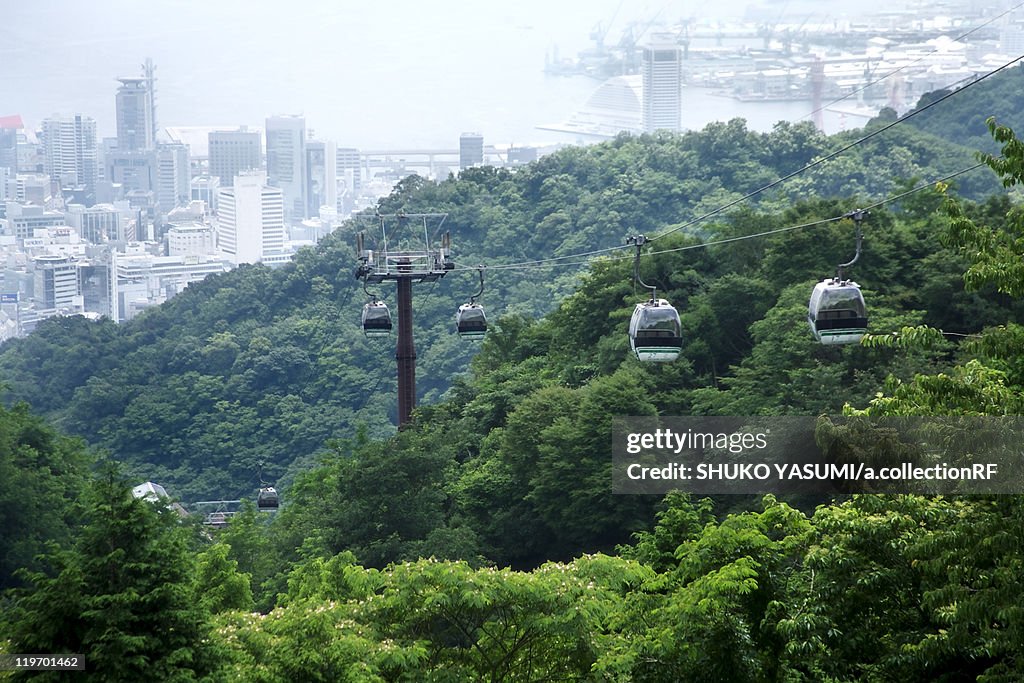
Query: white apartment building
point(250, 219)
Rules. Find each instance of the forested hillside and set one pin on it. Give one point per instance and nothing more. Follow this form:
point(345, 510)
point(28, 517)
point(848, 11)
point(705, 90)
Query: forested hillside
point(957, 119)
point(483, 542)
point(259, 366)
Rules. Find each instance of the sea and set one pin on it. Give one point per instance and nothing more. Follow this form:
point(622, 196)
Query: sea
point(402, 74)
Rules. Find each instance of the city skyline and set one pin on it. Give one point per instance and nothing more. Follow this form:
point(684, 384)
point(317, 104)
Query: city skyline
point(367, 78)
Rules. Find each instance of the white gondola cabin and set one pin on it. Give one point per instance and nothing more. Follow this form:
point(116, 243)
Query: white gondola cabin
point(376, 319)
point(836, 312)
point(655, 332)
point(267, 499)
point(471, 322)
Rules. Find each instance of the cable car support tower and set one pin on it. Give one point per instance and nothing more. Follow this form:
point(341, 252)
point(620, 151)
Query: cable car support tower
point(406, 258)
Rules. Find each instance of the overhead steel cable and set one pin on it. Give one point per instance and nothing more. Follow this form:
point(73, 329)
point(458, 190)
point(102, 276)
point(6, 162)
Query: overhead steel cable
point(766, 233)
point(834, 154)
point(530, 265)
point(500, 266)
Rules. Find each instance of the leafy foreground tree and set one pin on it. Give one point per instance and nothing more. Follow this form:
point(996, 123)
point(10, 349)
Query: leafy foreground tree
point(123, 596)
point(42, 473)
point(431, 621)
point(909, 588)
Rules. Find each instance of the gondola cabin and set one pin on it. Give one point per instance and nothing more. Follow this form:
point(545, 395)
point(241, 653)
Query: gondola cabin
point(655, 332)
point(376, 319)
point(836, 312)
point(470, 321)
point(267, 499)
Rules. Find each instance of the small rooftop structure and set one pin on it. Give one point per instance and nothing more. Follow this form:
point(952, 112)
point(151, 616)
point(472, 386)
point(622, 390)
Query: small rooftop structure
point(150, 491)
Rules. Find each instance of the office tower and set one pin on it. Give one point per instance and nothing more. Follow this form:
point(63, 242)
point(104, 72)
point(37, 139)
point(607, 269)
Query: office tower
point(55, 281)
point(321, 177)
point(134, 108)
point(173, 176)
point(286, 162)
point(133, 163)
point(234, 151)
point(471, 150)
point(9, 127)
point(250, 219)
point(348, 167)
point(69, 151)
point(661, 69)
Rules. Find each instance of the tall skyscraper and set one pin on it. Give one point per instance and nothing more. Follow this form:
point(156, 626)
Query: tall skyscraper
point(286, 162)
point(134, 163)
point(250, 219)
point(69, 151)
point(173, 176)
point(234, 151)
point(135, 125)
point(321, 176)
point(471, 150)
point(661, 68)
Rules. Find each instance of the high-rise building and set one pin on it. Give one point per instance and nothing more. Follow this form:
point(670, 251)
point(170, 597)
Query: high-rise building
point(234, 151)
point(471, 150)
point(321, 176)
point(173, 176)
point(661, 69)
point(250, 219)
point(348, 167)
point(133, 163)
point(69, 151)
point(286, 162)
point(56, 281)
point(9, 127)
point(134, 108)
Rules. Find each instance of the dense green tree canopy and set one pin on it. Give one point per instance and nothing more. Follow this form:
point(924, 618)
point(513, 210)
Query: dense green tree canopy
point(483, 542)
